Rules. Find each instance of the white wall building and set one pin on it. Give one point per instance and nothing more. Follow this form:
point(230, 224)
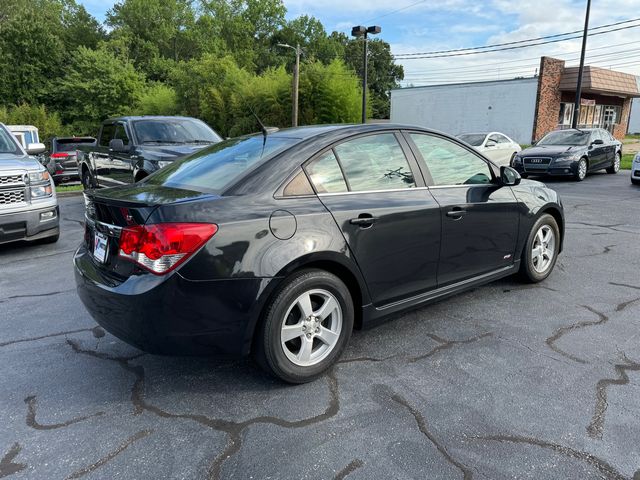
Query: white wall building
point(507, 106)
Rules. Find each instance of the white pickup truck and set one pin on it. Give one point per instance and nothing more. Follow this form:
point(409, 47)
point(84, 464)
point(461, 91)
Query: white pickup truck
point(28, 203)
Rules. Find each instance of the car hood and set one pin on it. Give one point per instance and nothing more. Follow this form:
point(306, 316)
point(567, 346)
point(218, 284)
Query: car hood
point(171, 152)
point(547, 150)
point(18, 162)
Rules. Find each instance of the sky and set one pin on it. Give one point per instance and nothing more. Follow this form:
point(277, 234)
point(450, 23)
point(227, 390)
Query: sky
point(412, 26)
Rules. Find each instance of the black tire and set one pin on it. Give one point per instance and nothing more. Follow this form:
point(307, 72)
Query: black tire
point(269, 351)
point(87, 180)
point(615, 167)
point(580, 173)
point(511, 159)
point(524, 175)
point(528, 271)
point(635, 182)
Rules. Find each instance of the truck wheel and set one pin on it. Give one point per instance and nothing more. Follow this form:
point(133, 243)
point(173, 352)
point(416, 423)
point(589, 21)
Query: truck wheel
point(87, 181)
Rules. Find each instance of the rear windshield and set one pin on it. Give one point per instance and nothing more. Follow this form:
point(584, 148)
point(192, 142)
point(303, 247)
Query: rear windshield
point(7, 143)
point(219, 166)
point(473, 139)
point(569, 137)
point(71, 144)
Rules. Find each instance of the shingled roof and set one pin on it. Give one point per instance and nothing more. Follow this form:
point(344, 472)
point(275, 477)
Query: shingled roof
point(601, 81)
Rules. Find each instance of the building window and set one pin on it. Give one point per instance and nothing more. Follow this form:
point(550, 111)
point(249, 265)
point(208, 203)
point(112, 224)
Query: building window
point(566, 113)
point(612, 115)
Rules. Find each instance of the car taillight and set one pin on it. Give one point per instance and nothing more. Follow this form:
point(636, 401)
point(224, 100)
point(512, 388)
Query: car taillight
point(59, 155)
point(161, 247)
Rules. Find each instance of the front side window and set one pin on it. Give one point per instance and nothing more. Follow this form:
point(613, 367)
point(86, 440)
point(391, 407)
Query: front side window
point(375, 162)
point(451, 164)
point(107, 134)
point(121, 134)
point(325, 174)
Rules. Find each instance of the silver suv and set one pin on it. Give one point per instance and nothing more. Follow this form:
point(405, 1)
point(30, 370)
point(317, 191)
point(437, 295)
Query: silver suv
point(28, 203)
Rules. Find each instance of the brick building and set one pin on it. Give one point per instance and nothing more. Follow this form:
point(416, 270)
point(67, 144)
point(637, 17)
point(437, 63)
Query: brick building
point(525, 108)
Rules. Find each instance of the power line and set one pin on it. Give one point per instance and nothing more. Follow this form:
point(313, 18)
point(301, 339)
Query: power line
point(395, 11)
point(505, 62)
point(514, 45)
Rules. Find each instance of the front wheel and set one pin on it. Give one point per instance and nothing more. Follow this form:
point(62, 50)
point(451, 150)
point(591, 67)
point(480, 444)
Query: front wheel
point(581, 170)
point(615, 166)
point(306, 327)
point(541, 250)
point(87, 181)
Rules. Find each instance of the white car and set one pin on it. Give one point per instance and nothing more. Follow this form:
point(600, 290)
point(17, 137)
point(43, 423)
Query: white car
point(496, 146)
point(635, 170)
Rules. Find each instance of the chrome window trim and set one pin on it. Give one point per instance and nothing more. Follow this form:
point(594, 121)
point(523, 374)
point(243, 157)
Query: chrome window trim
point(371, 191)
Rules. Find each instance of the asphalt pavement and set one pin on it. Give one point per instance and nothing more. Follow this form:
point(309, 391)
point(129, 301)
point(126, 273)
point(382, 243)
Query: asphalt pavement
point(506, 381)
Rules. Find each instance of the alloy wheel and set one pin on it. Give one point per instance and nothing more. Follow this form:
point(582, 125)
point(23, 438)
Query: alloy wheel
point(544, 249)
point(311, 327)
point(582, 169)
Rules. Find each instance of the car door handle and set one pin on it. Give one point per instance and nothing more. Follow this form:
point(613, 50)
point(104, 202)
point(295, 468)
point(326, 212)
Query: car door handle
point(364, 220)
point(456, 213)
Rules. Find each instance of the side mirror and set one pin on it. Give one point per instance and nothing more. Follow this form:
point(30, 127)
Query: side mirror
point(597, 141)
point(509, 176)
point(35, 148)
point(117, 145)
point(534, 143)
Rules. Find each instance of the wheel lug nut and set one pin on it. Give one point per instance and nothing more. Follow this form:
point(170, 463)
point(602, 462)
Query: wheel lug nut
point(308, 335)
point(318, 330)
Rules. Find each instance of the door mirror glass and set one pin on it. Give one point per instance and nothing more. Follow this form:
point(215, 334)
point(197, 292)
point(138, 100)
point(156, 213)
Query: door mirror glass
point(117, 145)
point(509, 176)
point(35, 148)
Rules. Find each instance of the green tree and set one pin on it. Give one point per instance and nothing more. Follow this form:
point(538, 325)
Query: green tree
point(97, 84)
point(48, 123)
point(158, 99)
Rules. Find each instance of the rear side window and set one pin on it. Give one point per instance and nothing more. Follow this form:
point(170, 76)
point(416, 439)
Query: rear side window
point(107, 134)
point(375, 162)
point(219, 166)
point(325, 174)
point(71, 144)
point(451, 164)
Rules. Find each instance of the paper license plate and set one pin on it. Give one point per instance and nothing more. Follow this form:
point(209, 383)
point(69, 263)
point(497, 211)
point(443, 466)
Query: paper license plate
point(100, 243)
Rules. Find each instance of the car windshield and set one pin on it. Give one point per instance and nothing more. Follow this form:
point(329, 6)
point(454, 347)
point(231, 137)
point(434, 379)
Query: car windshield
point(572, 137)
point(174, 130)
point(473, 139)
point(215, 168)
point(72, 144)
point(7, 143)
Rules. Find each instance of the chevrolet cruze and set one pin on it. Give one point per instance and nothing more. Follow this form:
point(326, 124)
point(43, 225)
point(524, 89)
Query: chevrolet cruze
point(279, 244)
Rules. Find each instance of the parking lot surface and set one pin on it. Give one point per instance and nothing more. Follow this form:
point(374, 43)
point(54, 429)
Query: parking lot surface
point(506, 381)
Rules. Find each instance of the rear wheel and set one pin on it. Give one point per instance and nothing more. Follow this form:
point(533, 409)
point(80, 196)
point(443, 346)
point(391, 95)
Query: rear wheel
point(635, 182)
point(615, 166)
point(541, 250)
point(306, 327)
point(581, 170)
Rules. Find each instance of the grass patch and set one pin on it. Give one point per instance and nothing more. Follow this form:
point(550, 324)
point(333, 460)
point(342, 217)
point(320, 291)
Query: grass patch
point(635, 136)
point(68, 188)
point(625, 163)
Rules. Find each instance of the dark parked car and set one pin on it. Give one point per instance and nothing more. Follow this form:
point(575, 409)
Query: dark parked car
point(130, 148)
point(280, 245)
point(63, 160)
point(571, 153)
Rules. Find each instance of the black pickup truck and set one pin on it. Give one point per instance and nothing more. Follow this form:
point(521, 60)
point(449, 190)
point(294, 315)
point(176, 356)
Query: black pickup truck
point(130, 148)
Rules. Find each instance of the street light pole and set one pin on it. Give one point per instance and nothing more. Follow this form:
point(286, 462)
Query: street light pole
point(364, 32)
point(576, 106)
point(296, 82)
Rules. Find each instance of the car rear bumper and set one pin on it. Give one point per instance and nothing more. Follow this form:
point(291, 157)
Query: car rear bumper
point(29, 224)
point(172, 315)
point(65, 175)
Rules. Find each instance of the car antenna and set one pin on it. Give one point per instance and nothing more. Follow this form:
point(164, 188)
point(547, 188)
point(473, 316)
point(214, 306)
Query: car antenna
point(264, 130)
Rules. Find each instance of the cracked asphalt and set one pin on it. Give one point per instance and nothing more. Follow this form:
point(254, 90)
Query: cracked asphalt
point(505, 381)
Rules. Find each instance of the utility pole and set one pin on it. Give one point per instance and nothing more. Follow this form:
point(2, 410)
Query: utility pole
point(296, 82)
point(361, 31)
point(576, 106)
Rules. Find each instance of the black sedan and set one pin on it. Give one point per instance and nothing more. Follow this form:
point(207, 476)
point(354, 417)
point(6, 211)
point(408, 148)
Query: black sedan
point(279, 245)
point(571, 153)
